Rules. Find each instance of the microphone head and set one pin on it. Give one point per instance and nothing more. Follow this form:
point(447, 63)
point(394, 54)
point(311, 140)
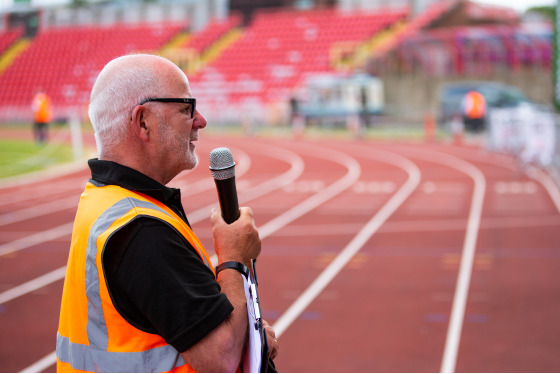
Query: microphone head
point(222, 165)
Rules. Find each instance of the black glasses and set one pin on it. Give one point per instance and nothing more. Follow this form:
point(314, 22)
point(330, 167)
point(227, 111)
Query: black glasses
point(189, 100)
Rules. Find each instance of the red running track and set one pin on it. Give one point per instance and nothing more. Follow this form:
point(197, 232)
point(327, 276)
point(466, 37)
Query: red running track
point(377, 257)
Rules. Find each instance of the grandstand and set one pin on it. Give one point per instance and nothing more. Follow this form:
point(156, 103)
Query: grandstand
point(258, 66)
point(203, 46)
point(8, 37)
point(212, 33)
point(279, 49)
point(65, 62)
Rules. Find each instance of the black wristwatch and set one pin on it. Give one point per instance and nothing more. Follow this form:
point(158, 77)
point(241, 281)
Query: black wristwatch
point(233, 265)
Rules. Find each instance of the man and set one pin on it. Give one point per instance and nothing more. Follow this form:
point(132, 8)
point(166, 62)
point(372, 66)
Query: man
point(140, 294)
point(474, 110)
point(42, 115)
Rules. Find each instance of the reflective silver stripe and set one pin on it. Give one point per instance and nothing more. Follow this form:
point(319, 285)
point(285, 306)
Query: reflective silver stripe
point(83, 357)
point(96, 329)
point(95, 356)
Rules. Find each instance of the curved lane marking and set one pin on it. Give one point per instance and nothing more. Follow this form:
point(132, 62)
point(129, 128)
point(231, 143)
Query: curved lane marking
point(354, 172)
point(367, 231)
point(544, 178)
point(456, 319)
point(296, 169)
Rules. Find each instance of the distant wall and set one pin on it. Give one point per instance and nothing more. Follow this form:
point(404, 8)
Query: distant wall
point(411, 96)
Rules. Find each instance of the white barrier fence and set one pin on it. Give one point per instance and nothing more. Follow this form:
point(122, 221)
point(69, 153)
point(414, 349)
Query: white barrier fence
point(528, 132)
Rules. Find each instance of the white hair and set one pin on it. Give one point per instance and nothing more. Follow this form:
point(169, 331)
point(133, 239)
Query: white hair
point(122, 84)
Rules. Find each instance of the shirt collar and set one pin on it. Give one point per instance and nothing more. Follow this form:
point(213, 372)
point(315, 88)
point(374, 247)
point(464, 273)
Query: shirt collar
point(109, 172)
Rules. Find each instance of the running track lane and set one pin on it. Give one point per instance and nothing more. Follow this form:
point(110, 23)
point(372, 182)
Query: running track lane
point(388, 308)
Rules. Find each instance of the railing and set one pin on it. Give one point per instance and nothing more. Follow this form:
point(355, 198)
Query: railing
point(529, 133)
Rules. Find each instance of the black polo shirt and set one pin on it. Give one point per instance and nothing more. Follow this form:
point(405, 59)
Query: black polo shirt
point(156, 279)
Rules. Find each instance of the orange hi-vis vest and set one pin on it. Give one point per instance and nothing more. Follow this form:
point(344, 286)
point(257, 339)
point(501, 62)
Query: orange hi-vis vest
point(92, 336)
point(42, 108)
point(475, 106)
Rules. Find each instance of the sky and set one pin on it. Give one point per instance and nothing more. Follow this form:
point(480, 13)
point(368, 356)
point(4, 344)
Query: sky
point(518, 5)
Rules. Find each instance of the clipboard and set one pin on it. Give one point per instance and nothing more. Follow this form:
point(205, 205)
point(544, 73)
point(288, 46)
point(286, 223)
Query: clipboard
point(255, 356)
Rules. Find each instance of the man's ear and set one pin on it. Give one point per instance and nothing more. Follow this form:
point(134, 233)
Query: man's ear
point(138, 121)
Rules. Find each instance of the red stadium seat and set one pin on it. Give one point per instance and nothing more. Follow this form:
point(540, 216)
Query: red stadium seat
point(64, 60)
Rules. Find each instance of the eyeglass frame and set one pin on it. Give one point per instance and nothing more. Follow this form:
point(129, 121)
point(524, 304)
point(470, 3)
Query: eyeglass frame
point(183, 100)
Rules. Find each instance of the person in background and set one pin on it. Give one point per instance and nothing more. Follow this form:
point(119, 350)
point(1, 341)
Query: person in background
point(473, 108)
point(296, 118)
point(140, 293)
point(42, 116)
point(364, 115)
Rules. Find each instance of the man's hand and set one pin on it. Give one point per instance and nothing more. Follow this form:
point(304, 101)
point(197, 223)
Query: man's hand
point(271, 339)
point(238, 241)
point(222, 348)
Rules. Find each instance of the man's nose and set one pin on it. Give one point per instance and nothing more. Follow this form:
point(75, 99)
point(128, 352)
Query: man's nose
point(199, 121)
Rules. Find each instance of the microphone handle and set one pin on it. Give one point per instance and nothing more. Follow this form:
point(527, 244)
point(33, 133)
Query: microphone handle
point(227, 195)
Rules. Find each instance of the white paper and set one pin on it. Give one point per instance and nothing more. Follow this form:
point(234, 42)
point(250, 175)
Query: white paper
point(252, 357)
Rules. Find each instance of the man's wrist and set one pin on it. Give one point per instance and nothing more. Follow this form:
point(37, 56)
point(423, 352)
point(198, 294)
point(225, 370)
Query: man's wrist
point(233, 265)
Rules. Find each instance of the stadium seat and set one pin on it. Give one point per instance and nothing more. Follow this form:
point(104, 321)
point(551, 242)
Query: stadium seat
point(65, 61)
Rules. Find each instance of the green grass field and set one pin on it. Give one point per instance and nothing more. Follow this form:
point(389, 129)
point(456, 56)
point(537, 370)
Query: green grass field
point(20, 156)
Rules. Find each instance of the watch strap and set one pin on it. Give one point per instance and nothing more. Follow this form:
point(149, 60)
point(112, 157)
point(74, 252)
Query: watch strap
point(233, 265)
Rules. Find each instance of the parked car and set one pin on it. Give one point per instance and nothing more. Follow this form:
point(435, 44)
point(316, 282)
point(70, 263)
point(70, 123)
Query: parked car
point(497, 95)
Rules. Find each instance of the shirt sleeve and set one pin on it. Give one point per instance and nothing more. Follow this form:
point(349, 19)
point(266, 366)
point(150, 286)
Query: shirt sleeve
point(159, 283)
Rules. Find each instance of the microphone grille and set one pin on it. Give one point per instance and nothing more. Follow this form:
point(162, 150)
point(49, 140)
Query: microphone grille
point(222, 165)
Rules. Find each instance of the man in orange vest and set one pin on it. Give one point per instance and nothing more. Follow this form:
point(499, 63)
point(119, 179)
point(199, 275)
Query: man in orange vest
point(42, 115)
point(474, 111)
point(141, 293)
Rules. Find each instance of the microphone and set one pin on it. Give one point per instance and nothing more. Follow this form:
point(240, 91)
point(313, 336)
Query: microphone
point(223, 172)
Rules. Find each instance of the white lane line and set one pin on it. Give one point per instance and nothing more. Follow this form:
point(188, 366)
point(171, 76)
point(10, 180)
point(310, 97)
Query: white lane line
point(535, 173)
point(39, 210)
point(32, 285)
point(296, 169)
point(37, 238)
point(420, 226)
point(46, 189)
point(548, 183)
point(297, 211)
point(455, 327)
point(303, 301)
point(448, 364)
point(354, 172)
point(42, 364)
point(465, 271)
